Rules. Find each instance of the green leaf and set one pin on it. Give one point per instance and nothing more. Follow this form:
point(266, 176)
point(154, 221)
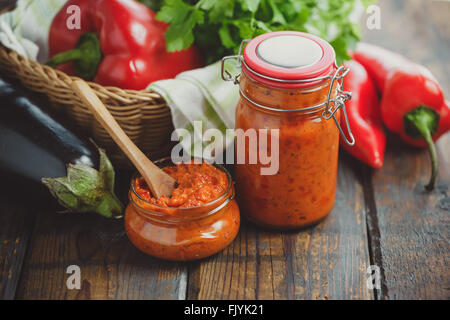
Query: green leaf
point(277, 16)
point(262, 27)
point(218, 10)
point(302, 16)
point(340, 46)
point(173, 11)
point(180, 35)
point(250, 5)
point(245, 31)
point(225, 36)
point(207, 4)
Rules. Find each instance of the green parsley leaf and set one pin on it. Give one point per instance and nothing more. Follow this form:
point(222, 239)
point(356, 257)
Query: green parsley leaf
point(218, 27)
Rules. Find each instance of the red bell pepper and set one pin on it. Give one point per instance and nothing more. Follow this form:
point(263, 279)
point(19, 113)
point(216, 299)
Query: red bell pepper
point(412, 103)
point(364, 117)
point(120, 43)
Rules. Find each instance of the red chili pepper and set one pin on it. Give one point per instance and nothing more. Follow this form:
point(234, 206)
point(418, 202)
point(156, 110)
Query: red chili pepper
point(120, 43)
point(412, 103)
point(444, 122)
point(364, 117)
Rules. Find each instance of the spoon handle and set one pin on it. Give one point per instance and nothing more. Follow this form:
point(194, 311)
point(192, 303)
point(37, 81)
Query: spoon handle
point(157, 180)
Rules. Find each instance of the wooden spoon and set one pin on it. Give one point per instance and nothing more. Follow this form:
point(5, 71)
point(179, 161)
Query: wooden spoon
point(159, 182)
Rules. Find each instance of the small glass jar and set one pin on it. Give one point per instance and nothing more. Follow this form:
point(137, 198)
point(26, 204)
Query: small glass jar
point(297, 95)
point(182, 234)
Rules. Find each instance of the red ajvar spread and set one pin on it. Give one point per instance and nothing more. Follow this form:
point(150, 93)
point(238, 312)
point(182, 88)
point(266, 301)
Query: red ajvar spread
point(197, 184)
point(303, 190)
point(200, 218)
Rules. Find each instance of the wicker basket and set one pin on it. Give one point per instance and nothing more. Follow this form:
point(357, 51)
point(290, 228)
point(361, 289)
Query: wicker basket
point(143, 115)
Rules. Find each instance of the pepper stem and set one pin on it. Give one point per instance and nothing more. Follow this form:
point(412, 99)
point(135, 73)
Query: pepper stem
point(86, 56)
point(422, 122)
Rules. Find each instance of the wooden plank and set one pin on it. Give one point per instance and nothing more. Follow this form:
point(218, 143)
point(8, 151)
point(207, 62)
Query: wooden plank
point(420, 30)
point(411, 228)
point(413, 224)
point(328, 261)
point(111, 267)
point(16, 225)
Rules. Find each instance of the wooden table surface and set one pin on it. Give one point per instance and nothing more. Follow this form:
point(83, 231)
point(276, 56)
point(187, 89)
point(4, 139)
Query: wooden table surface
point(381, 218)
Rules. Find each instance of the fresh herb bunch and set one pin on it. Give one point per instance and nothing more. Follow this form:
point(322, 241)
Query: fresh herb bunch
point(217, 27)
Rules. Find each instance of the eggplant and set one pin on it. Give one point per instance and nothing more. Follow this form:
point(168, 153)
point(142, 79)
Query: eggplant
point(38, 146)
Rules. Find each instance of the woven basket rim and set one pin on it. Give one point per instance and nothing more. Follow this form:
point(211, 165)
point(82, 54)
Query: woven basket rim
point(126, 96)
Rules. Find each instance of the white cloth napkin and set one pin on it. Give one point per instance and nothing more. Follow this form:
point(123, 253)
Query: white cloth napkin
point(25, 29)
point(200, 96)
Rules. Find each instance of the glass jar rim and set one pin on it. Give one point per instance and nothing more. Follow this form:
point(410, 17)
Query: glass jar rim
point(168, 212)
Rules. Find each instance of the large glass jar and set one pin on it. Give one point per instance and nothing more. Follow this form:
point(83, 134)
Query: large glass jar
point(299, 99)
point(182, 234)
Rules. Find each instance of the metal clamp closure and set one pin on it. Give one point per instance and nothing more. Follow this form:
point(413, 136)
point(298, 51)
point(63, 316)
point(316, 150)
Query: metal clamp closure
point(226, 75)
point(339, 102)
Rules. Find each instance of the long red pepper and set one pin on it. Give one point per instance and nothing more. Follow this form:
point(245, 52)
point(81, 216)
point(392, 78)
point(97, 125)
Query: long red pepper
point(412, 103)
point(119, 43)
point(364, 117)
